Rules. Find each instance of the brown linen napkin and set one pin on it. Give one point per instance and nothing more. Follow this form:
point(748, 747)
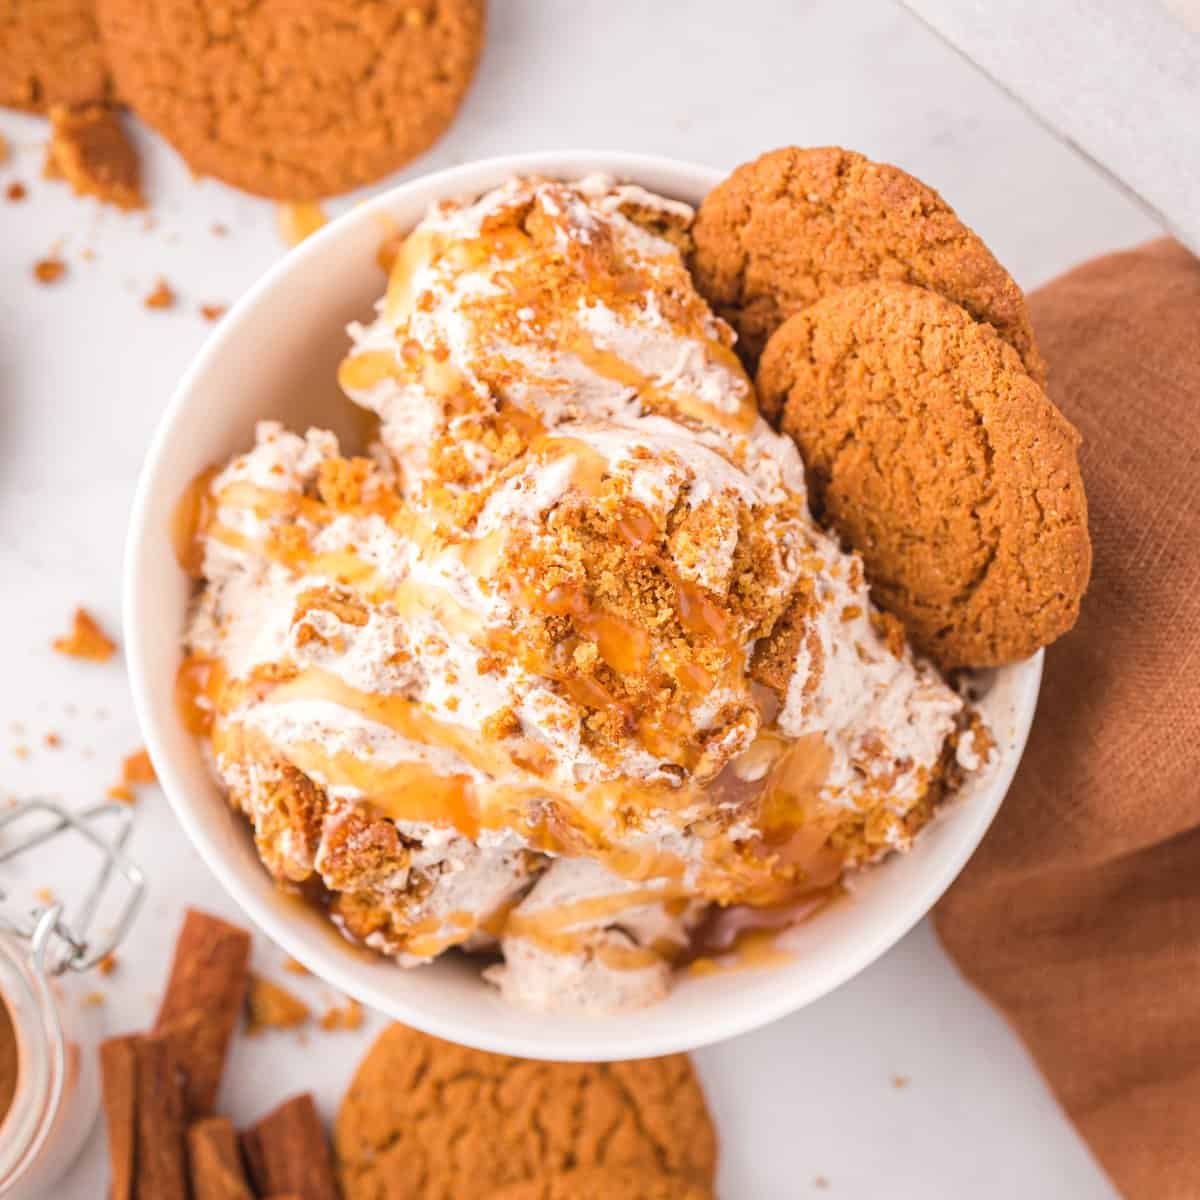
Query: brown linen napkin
point(1080, 914)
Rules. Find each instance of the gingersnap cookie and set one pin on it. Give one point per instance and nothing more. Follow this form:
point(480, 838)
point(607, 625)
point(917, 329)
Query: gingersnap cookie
point(50, 53)
point(605, 1183)
point(931, 451)
point(290, 100)
point(795, 225)
point(427, 1118)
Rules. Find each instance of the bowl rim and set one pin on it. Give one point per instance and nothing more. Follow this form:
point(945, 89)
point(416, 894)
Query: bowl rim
point(756, 1007)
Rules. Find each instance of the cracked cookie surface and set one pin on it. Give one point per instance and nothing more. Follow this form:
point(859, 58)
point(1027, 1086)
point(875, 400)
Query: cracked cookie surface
point(797, 224)
point(50, 53)
point(603, 1183)
point(427, 1118)
point(289, 100)
point(933, 453)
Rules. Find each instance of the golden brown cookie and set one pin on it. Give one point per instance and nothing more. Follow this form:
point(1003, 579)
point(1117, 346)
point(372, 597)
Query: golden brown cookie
point(606, 1183)
point(50, 53)
point(291, 100)
point(795, 225)
point(933, 453)
point(427, 1118)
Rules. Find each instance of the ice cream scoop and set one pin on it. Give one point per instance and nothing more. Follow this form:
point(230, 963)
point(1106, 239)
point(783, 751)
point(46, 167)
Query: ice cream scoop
point(571, 614)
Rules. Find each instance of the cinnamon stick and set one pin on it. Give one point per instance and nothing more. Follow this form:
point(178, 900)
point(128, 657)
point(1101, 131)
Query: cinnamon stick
point(287, 1152)
point(202, 1001)
point(161, 1157)
point(118, 1088)
point(215, 1161)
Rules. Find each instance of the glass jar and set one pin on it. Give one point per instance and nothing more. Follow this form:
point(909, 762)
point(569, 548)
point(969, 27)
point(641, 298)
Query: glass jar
point(44, 959)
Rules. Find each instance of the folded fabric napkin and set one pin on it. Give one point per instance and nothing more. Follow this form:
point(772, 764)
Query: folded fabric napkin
point(1080, 914)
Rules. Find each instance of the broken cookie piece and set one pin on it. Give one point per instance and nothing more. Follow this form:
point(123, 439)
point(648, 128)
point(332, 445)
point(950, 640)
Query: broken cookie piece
point(90, 150)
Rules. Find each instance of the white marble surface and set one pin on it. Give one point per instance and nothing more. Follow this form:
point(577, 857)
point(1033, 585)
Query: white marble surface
point(808, 1104)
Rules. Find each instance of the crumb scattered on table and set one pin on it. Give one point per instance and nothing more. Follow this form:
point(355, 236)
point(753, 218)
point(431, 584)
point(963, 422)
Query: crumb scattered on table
point(86, 639)
point(161, 297)
point(137, 768)
point(213, 312)
point(49, 270)
point(91, 151)
point(348, 1016)
point(16, 192)
point(299, 221)
point(269, 1006)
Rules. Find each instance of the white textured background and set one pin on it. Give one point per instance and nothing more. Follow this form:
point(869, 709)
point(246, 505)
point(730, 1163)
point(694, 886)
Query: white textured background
point(807, 1106)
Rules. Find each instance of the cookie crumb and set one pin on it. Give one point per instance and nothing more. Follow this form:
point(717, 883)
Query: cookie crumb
point(44, 895)
point(296, 968)
point(299, 221)
point(86, 639)
point(94, 1000)
point(161, 297)
point(213, 312)
point(49, 270)
point(107, 965)
point(348, 1016)
point(90, 150)
point(137, 768)
point(16, 192)
point(219, 230)
point(821, 1183)
point(52, 740)
point(21, 752)
point(900, 1081)
point(269, 1006)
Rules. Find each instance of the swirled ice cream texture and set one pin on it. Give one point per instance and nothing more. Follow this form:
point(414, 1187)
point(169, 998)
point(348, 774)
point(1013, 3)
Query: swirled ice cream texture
point(564, 660)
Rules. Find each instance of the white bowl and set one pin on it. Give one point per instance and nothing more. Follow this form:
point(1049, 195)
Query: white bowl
point(274, 355)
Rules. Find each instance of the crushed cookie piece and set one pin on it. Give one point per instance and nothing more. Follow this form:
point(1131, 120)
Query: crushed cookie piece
point(137, 768)
point(44, 895)
point(900, 1081)
point(52, 740)
point(49, 270)
point(90, 150)
point(213, 312)
point(122, 793)
point(348, 1017)
point(219, 230)
point(94, 999)
point(161, 297)
point(107, 965)
point(15, 192)
point(21, 752)
point(299, 221)
point(86, 639)
point(296, 968)
point(269, 1006)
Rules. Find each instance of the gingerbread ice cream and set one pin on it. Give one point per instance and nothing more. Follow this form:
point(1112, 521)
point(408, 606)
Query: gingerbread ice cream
point(564, 661)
